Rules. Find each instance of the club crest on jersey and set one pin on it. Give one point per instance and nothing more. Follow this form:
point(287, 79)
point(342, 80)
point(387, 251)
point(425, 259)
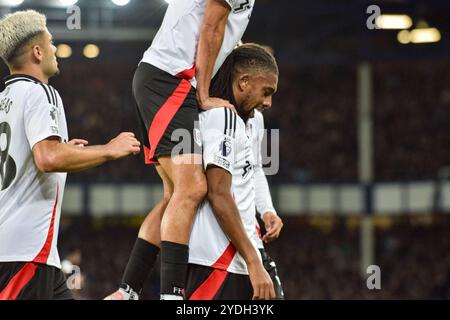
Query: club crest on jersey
point(225, 147)
point(240, 5)
point(54, 117)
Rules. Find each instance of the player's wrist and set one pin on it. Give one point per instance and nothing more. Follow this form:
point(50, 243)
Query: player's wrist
point(201, 99)
point(252, 259)
point(108, 152)
point(266, 212)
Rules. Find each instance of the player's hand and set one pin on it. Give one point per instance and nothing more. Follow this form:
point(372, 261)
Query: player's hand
point(123, 145)
point(261, 282)
point(78, 142)
point(210, 103)
point(273, 224)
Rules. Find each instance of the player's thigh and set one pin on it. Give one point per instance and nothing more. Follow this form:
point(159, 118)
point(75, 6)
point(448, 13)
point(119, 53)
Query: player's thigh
point(185, 171)
point(167, 182)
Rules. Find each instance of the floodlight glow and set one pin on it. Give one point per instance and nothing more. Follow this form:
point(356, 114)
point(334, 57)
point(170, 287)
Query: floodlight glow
point(63, 51)
point(425, 35)
point(11, 3)
point(121, 3)
point(68, 2)
point(394, 21)
point(404, 37)
point(91, 51)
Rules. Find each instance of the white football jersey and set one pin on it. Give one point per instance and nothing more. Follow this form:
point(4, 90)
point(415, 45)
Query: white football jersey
point(30, 111)
point(225, 145)
point(174, 47)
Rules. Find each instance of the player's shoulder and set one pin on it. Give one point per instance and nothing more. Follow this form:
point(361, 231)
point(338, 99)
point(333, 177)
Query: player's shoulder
point(216, 114)
point(33, 89)
point(222, 119)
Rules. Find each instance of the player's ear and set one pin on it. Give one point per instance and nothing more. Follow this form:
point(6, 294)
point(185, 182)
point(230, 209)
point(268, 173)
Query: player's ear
point(244, 81)
point(38, 47)
point(38, 53)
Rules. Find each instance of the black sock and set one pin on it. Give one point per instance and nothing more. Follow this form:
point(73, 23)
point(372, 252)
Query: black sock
point(139, 265)
point(174, 260)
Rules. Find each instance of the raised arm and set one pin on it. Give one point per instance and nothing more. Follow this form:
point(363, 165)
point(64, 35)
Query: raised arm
point(210, 41)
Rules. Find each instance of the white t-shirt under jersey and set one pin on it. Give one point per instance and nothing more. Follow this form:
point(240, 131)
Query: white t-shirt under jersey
point(174, 47)
point(30, 209)
point(225, 145)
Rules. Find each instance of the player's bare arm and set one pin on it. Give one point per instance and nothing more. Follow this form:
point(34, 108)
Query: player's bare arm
point(227, 214)
point(51, 155)
point(211, 37)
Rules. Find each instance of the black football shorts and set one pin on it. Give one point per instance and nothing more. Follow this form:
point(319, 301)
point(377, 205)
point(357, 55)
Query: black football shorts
point(167, 113)
point(32, 281)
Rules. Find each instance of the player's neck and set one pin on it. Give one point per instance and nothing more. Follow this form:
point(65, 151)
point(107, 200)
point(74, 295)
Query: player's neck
point(32, 71)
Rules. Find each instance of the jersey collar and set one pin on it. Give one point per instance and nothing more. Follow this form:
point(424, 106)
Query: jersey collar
point(19, 77)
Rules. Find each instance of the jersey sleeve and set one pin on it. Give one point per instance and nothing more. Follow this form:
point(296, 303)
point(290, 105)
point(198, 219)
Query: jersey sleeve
point(263, 198)
point(259, 122)
point(230, 3)
point(41, 115)
point(218, 130)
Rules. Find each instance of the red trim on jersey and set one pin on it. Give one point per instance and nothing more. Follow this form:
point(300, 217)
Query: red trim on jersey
point(45, 251)
point(225, 259)
point(18, 282)
point(209, 288)
point(187, 74)
point(163, 117)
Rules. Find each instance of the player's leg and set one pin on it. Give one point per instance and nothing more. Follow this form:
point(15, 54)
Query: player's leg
point(189, 181)
point(150, 230)
point(146, 248)
point(167, 107)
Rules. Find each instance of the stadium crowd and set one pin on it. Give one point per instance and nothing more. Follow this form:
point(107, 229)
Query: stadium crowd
point(316, 258)
point(315, 110)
